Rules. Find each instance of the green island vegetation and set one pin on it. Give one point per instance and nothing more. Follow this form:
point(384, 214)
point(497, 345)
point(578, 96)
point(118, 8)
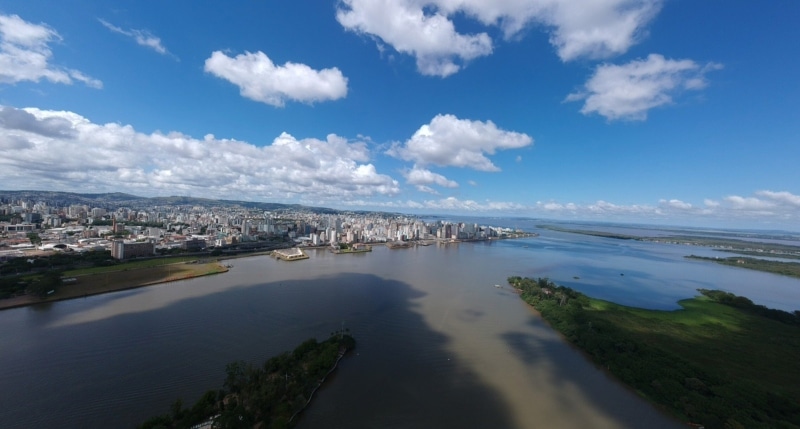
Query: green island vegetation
point(720, 362)
point(762, 254)
point(791, 269)
point(269, 396)
point(731, 245)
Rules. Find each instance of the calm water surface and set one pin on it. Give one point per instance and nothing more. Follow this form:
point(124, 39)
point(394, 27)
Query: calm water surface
point(438, 344)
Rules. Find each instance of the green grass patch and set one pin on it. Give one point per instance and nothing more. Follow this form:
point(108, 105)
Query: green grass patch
point(132, 265)
point(720, 361)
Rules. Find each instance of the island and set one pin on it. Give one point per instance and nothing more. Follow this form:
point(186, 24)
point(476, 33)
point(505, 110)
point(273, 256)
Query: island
point(720, 362)
point(271, 395)
point(791, 269)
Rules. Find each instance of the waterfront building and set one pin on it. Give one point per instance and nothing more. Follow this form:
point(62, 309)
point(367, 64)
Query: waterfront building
point(194, 244)
point(122, 250)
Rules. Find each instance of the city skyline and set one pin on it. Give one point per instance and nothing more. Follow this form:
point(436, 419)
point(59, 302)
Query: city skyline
point(622, 111)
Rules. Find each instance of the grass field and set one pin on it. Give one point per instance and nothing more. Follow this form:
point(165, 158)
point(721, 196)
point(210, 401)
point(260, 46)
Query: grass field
point(127, 266)
point(127, 276)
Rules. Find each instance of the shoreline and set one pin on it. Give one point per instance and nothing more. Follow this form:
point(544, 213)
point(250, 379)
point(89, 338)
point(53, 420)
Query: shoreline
point(610, 376)
point(82, 290)
point(342, 353)
point(98, 284)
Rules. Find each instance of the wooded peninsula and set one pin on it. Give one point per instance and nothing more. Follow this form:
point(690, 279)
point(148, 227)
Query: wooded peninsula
point(720, 362)
point(269, 396)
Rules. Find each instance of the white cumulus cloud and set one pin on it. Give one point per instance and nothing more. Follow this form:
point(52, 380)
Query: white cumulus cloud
point(259, 79)
point(142, 37)
point(65, 151)
point(25, 54)
point(425, 28)
point(598, 29)
point(782, 197)
point(404, 24)
point(629, 91)
point(675, 204)
point(767, 208)
point(748, 203)
point(422, 178)
point(455, 204)
point(577, 28)
point(450, 141)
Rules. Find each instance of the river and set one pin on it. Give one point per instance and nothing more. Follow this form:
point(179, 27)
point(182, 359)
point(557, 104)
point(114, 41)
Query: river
point(438, 344)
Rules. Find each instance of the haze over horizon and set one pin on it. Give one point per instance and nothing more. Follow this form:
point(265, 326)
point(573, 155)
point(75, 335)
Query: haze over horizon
point(646, 111)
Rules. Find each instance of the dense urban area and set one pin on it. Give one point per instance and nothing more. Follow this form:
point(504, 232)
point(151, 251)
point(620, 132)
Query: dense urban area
point(35, 224)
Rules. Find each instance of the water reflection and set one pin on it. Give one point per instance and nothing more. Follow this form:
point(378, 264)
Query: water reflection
point(140, 300)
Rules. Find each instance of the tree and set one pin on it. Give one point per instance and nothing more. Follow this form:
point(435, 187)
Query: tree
point(35, 239)
point(48, 282)
point(177, 409)
point(235, 379)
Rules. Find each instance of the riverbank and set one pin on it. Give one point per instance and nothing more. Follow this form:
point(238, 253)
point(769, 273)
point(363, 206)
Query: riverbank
point(113, 281)
point(718, 362)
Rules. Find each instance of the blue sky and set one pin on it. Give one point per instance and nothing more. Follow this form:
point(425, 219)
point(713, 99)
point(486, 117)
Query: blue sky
point(676, 112)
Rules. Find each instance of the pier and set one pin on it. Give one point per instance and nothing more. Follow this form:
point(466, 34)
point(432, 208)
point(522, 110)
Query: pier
point(292, 254)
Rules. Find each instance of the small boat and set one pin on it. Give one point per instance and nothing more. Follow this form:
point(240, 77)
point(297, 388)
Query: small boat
point(497, 286)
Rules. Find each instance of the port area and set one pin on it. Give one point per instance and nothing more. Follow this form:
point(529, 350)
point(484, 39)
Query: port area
point(398, 244)
point(291, 254)
point(353, 248)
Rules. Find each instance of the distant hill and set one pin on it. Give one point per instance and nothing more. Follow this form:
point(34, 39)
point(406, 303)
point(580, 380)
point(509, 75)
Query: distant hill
point(114, 200)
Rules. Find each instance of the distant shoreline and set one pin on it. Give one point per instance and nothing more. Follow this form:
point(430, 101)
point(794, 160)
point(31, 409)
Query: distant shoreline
point(96, 284)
